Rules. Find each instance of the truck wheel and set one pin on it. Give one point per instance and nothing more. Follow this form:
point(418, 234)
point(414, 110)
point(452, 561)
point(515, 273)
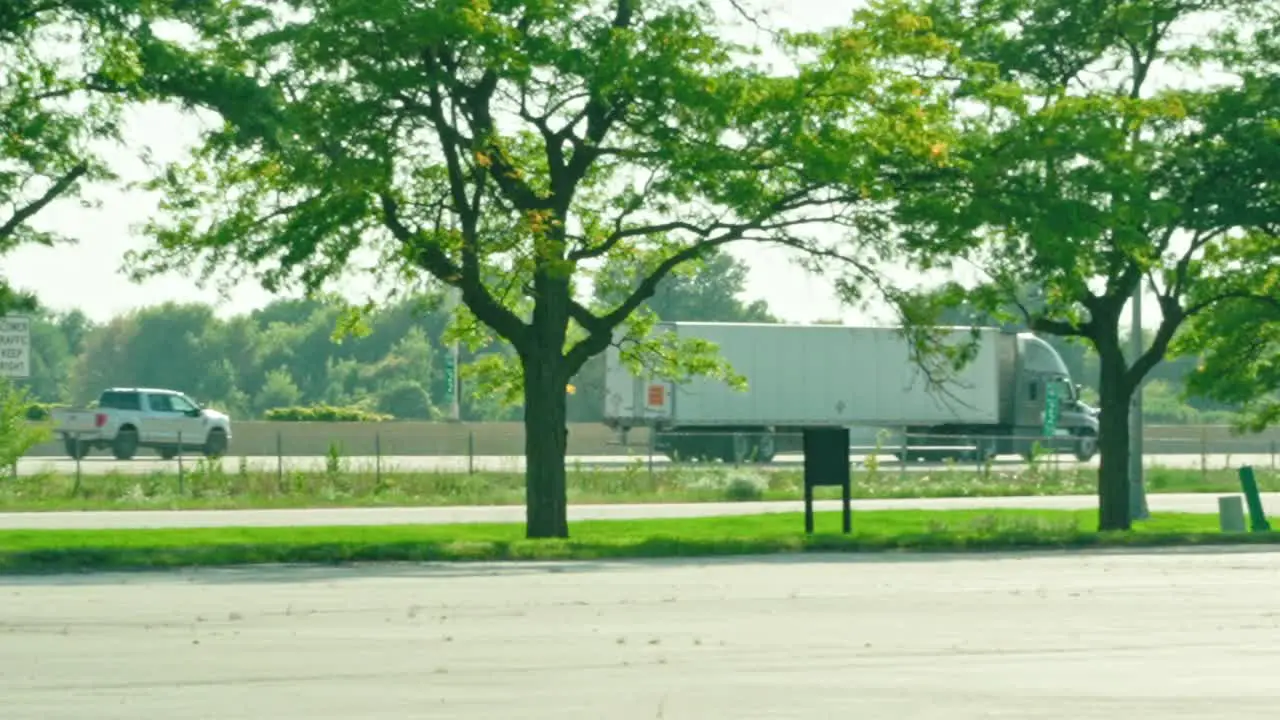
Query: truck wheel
point(126, 444)
point(168, 453)
point(216, 444)
point(735, 448)
point(1086, 446)
point(76, 449)
point(984, 449)
point(765, 449)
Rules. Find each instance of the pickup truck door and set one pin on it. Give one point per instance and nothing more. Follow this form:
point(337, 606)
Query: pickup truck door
point(188, 421)
point(159, 420)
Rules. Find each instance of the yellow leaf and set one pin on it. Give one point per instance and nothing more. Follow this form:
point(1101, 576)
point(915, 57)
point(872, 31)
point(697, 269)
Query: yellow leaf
point(483, 160)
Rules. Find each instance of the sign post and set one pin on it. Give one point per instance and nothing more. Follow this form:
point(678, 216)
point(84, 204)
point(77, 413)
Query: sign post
point(15, 347)
point(826, 464)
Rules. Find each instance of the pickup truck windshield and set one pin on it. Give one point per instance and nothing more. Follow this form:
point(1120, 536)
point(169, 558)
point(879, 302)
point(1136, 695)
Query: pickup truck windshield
point(120, 401)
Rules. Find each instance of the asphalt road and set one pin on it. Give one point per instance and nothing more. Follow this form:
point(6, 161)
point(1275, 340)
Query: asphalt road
point(1153, 636)
point(321, 517)
point(145, 464)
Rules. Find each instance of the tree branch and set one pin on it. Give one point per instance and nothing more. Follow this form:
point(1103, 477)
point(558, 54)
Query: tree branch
point(430, 257)
point(601, 113)
point(59, 187)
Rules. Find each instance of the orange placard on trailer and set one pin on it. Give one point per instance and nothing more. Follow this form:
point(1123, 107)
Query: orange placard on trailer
point(657, 395)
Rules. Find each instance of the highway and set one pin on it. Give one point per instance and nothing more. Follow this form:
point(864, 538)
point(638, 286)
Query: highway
point(1051, 636)
point(146, 464)
point(321, 517)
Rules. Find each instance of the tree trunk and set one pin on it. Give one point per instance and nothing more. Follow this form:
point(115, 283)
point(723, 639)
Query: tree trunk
point(545, 444)
point(1113, 441)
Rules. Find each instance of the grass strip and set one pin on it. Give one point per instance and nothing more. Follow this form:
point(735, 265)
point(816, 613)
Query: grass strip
point(926, 531)
point(207, 486)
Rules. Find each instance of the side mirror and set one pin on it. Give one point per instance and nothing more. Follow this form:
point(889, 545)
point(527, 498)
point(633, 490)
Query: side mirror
point(195, 413)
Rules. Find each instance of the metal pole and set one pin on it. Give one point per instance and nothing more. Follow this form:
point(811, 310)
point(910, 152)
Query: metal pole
point(453, 298)
point(75, 438)
point(652, 434)
point(1137, 494)
point(471, 452)
point(181, 473)
point(377, 457)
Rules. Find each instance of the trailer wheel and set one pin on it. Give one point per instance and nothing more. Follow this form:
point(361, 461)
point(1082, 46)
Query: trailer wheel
point(765, 449)
point(984, 449)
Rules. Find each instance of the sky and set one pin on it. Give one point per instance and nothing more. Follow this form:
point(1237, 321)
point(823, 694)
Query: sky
point(88, 275)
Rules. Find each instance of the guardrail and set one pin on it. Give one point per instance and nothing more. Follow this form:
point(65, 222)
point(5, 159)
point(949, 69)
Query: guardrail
point(297, 439)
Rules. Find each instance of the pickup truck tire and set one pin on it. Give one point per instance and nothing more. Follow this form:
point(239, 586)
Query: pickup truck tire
point(216, 444)
point(76, 449)
point(126, 444)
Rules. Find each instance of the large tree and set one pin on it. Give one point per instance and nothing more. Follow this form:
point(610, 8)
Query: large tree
point(507, 148)
point(1081, 171)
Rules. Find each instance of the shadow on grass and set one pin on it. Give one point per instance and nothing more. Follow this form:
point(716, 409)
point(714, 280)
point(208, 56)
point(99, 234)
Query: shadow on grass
point(474, 558)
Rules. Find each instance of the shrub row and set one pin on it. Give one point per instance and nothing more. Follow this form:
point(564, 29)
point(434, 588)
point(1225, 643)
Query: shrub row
point(325, 413)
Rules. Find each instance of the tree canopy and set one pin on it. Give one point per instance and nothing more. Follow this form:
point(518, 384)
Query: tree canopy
point(51, 112)
point(1081, 172)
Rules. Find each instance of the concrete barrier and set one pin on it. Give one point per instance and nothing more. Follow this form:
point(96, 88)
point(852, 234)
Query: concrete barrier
point(259, 439)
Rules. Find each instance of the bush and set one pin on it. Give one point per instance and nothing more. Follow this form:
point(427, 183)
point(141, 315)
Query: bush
point(745, 488)
point(406, 399)
point(17, 434)
point(41, 412)
point(324, 413)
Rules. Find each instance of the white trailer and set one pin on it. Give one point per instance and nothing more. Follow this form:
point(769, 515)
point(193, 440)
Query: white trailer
point(802, 376)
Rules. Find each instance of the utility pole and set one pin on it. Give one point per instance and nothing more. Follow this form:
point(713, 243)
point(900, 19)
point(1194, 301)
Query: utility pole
point(1137, 493)
point(452, 298)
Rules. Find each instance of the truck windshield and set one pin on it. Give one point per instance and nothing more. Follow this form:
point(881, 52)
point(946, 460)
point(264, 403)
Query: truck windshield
point(119, 401)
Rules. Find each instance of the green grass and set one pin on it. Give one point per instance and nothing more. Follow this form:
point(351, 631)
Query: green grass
point(206, 486)
point(946, 531)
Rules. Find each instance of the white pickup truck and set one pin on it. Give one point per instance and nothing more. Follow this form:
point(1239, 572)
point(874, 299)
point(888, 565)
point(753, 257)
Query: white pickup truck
point(126, 419)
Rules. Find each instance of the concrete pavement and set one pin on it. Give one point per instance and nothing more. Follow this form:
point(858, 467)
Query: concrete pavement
point(313, 517)
point(1155, 636)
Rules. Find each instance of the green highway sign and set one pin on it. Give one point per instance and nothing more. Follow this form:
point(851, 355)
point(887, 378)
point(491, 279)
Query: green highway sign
point(1051, 410)
point(450, 376)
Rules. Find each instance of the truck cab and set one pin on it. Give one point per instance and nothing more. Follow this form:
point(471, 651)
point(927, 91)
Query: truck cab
point(1041, 380)
point(126, 419)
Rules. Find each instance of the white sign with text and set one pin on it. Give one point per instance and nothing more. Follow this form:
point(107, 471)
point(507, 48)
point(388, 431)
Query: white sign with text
point(15, 347)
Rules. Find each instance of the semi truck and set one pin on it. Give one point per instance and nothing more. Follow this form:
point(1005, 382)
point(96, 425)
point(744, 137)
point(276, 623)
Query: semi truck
point(805, 376)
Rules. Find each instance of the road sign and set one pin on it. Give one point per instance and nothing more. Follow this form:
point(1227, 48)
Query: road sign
point(1050, 409)
point(15, 347)
point(450, 376)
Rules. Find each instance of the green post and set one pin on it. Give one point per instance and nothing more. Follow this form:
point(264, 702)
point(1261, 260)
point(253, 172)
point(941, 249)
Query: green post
point(1249, 484)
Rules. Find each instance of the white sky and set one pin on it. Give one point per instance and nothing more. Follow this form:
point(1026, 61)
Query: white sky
point(88, 275)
